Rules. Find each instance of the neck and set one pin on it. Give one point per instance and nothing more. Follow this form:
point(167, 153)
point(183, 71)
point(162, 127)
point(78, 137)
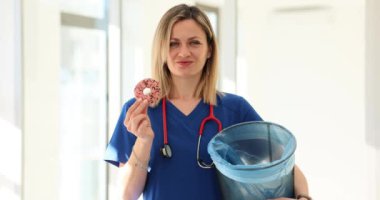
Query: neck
point(184, 89)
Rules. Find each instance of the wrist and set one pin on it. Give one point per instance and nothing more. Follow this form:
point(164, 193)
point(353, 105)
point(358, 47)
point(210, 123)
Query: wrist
point(142, 164)
point(142, 148)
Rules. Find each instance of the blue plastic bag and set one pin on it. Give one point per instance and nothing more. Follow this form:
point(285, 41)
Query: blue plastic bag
point(254, 160)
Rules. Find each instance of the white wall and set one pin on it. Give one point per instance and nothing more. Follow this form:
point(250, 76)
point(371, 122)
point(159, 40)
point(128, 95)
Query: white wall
point(41, 51)
point(228, 46)
point(373, 84)
point(302, 65)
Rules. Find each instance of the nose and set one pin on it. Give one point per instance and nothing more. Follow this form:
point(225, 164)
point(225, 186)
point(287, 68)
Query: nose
point(184, 51)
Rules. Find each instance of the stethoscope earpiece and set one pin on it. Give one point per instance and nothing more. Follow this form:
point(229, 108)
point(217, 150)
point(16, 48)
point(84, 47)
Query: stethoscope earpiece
point(166, 151)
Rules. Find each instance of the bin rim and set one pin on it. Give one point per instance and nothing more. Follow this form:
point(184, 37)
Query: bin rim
point(250, 167)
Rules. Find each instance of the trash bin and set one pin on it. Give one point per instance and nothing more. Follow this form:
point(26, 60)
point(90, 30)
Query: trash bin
point(254, 160)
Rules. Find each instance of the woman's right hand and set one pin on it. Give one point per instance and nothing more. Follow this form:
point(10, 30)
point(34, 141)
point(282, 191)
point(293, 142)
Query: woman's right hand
point(137, 120)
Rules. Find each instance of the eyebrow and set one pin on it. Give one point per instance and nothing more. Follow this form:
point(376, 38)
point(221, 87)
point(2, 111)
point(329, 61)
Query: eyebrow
point(190, 38)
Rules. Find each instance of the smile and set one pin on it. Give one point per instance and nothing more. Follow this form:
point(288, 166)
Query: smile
point(184, 63)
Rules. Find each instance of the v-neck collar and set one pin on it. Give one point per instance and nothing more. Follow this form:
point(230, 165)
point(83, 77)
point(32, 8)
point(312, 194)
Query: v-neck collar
point(199, 108)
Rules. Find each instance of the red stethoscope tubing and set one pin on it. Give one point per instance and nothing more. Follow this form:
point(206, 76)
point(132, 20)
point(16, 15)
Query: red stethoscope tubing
point(166, 150)
point(208, 118)
point(211, 117)
point(164, 121)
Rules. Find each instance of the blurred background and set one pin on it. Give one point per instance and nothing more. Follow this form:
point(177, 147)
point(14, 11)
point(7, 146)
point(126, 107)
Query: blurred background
point(67, 66)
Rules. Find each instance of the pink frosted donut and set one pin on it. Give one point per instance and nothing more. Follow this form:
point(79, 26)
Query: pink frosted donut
point(148, 89)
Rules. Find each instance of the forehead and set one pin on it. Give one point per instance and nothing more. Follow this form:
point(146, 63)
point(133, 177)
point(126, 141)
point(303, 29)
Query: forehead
point(186, 29)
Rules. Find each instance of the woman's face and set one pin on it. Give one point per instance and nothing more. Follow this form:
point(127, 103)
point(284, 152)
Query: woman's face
point(188, 49)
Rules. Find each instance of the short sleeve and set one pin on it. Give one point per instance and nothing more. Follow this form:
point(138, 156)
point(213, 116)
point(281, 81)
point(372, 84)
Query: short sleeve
point(250, 112)
point(120, 145)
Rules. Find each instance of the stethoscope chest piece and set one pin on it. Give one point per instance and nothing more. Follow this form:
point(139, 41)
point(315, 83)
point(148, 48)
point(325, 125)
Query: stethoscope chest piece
point(166, 151)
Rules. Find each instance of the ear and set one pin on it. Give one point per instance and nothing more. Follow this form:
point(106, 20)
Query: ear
point(209, 51)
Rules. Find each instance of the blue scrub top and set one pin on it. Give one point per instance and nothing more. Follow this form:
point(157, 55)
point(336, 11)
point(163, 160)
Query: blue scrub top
point(180, 177)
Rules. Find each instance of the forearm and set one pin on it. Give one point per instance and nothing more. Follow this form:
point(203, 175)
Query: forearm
point(134, 172)
point(300, 182)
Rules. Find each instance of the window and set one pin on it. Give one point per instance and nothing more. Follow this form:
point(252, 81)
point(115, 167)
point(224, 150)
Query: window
point(83, 103)
point(213, 14)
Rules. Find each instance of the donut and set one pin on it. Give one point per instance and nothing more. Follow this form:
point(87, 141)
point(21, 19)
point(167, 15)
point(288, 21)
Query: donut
point(148, 89)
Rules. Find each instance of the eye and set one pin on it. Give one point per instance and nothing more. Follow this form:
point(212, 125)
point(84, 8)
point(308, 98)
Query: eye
point(173, 44)
point(195, 42)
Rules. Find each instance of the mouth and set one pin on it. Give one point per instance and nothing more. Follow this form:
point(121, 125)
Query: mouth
point(184, 63)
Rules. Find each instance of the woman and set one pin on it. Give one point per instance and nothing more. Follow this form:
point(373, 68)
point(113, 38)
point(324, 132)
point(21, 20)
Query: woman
point(185, 58)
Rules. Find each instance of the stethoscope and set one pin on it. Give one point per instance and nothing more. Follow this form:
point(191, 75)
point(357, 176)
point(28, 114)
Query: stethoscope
point(166, 150)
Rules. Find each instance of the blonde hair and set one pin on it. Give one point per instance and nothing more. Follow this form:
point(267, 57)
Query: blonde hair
point(206, 88)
